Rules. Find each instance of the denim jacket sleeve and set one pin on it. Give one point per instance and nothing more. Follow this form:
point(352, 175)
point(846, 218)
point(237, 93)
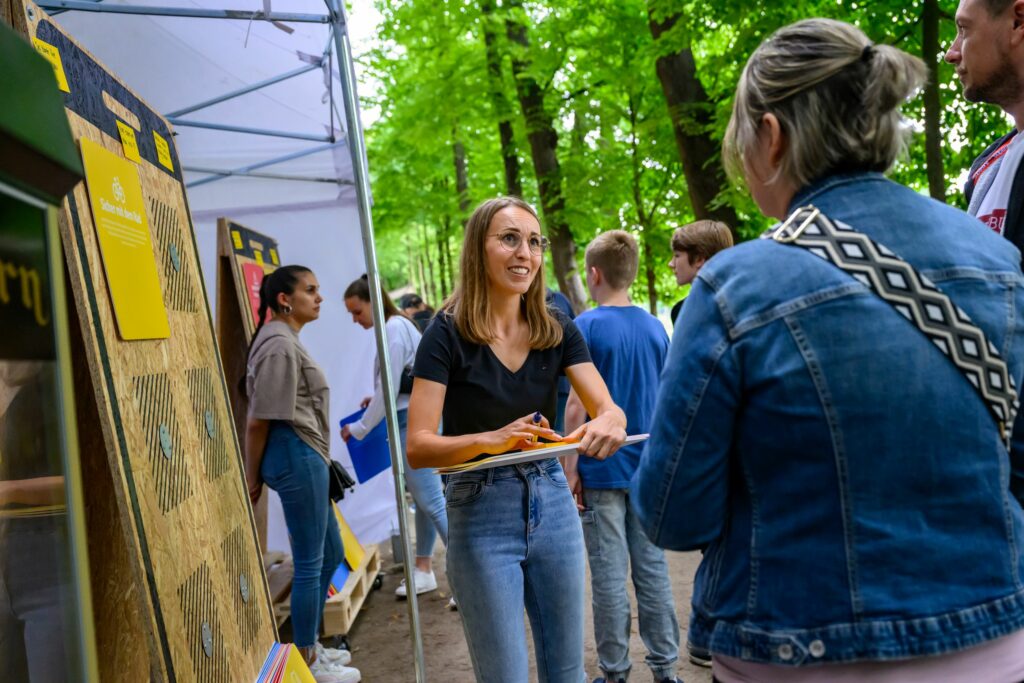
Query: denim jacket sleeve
point(679, 491)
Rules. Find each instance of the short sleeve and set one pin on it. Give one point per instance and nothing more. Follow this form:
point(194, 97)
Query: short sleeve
point(582, 323)
point(275, 385)
point(435, 354)
point(574, 346)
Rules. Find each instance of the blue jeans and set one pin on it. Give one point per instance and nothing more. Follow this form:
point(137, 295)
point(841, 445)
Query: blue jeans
point(616, 541)
point(299, 475)
point(515, 540)
point(37, 617)
point(425, 487)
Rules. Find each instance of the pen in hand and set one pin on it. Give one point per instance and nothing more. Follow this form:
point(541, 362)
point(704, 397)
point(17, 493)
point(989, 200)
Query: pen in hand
point(536, 421)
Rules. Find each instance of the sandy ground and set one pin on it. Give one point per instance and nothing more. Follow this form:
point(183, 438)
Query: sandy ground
point(381, 645)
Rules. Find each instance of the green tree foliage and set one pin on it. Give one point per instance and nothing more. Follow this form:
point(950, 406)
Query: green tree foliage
point(596, 64)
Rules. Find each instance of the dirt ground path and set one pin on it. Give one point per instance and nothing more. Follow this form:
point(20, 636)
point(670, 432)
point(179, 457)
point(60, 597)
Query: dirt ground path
point(381, 646)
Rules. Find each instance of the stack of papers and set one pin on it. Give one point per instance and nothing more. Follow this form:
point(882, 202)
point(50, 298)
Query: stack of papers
point(285, 665)
point(541, 452)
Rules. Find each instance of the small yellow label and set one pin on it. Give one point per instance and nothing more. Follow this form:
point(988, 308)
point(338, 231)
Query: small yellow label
point(53, 57)
point(236, 239)
point(273, 257)
point(163, 151)
point(258, 255)
point(128, 142)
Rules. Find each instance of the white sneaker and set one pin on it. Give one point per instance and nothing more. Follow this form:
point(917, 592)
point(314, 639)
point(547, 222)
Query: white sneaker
point(335, 657)
point(452, 605)
point(425, 582)
point(325, 672)
point(347, 674)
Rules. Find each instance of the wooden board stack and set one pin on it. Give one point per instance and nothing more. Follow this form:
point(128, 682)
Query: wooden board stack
point(243, 257)
point(178, 585)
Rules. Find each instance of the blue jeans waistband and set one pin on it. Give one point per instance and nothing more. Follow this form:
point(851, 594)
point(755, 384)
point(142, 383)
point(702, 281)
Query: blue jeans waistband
point(520, 471)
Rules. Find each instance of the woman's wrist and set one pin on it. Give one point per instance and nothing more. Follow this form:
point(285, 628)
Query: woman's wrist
point(615, 414)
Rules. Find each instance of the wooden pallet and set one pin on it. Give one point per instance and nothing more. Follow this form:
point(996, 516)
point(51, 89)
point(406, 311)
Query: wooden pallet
point(343, 607)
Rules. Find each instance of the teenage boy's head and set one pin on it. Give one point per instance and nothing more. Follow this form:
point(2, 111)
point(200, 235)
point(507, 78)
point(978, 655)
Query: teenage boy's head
point(612, 259)
point(695, 243)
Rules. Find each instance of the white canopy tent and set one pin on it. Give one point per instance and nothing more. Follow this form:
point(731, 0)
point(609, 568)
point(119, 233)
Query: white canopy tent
point(257, 96)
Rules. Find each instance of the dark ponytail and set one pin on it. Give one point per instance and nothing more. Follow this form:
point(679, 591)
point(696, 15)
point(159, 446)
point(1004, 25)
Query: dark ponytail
point(280, 281)
point(360, 289)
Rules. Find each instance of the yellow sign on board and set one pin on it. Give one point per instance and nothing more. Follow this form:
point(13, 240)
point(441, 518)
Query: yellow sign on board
point(128, 142)
point(258, 255)
point(273, 257)
point(119, 213)
point(52, 55)
point(163, 151)
point(236, 239)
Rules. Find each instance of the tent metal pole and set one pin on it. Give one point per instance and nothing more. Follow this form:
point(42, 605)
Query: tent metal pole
point(346, 72)
point(174, 121)
point(269, 162)
point(243, 91)
point(241, 15)
point(268, 176)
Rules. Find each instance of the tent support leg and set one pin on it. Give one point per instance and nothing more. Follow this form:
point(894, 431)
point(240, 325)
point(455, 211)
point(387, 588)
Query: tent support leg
point(356, 147)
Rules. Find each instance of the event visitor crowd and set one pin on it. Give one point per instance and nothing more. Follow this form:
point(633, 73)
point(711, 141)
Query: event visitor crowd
point(832, 424)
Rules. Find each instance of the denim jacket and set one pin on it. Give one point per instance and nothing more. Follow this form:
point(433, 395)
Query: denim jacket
point(849, 485)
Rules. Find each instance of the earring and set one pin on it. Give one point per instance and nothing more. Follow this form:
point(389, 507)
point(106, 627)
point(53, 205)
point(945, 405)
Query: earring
point(286, 310)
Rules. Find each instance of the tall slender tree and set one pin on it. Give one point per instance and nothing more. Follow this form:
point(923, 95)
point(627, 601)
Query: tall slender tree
point(502, 110)
point(543, 139)
point(691, 111)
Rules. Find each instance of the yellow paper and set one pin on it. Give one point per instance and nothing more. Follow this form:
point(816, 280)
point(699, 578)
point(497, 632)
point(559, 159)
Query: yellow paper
point(273, 257)
point(128, 142)
point(119, 213)
point(258, 255)
point(354, 552)
point(52, 55)
point(236, 239)
point(163, 151)
point(295, 669)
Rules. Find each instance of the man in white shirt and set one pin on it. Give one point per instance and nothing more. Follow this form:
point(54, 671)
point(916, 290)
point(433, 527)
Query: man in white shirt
point(988, 54)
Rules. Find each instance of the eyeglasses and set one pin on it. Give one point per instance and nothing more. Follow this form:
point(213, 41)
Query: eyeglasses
point(511, 240)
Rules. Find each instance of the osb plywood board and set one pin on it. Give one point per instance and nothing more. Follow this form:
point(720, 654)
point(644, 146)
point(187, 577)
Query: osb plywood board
point(178, 545)
point(243, 257)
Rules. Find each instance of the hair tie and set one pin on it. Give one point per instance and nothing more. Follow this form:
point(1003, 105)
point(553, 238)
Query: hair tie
point(867, 52)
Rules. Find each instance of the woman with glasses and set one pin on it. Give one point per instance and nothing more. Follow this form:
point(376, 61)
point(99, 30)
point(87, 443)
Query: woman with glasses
point(489, 365)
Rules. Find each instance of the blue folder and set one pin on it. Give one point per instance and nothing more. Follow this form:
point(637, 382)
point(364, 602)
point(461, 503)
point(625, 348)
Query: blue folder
point(370, 456)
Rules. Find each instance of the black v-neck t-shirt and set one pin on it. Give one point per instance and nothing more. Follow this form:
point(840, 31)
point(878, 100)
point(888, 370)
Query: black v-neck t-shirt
point(483, 394)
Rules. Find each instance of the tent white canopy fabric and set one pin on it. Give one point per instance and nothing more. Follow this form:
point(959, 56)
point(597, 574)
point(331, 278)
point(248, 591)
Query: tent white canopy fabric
point(176, 63)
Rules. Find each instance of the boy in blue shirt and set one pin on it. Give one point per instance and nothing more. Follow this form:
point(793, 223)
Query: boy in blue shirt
point(628, 346)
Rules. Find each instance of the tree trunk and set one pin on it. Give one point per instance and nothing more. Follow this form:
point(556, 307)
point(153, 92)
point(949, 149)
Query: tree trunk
point(496, 81)
point(442, 266)
point(543, 138)
point(932, 107)
point(690, 111)
point(450, 265)
point(431, 281)
point(652, 289)
point(424, 290)
point(461, 177)
point(642, 216)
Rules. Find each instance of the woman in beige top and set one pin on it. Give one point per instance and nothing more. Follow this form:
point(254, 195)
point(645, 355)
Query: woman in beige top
point(287, 447)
